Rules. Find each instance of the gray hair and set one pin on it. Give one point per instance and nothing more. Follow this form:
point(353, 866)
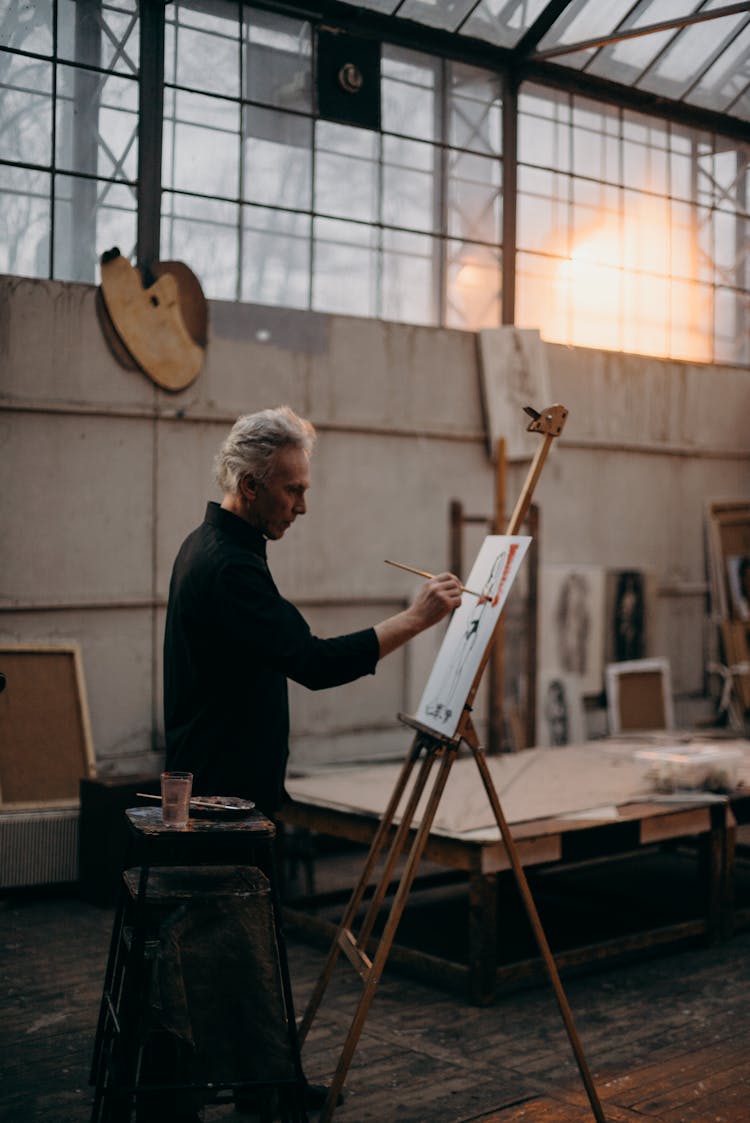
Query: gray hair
point(253, 442)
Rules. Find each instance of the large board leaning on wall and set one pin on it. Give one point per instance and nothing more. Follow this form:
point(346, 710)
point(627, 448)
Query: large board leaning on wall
point(728, 551)
point(45, 735)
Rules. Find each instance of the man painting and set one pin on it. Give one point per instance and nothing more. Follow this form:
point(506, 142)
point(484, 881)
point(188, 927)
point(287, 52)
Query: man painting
point(232, 640)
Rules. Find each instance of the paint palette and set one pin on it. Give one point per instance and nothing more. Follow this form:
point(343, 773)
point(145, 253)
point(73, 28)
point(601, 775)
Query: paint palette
point(220, 807)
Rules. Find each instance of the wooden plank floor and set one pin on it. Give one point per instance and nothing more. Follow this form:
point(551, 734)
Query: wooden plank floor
point(667, 1039)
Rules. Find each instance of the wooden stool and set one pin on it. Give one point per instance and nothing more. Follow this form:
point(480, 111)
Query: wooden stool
point(197, 999)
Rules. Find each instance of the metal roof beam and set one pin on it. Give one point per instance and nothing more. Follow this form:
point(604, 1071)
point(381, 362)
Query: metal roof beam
point(538, 29)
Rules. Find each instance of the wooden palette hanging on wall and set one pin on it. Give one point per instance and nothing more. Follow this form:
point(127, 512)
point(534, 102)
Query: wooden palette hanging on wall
point(160, 328)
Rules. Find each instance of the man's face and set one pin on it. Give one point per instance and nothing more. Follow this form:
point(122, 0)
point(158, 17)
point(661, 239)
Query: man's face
point(275, 503)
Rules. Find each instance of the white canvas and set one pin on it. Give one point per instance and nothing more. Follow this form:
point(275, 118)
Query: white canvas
point(470, 632)
point(571, 623)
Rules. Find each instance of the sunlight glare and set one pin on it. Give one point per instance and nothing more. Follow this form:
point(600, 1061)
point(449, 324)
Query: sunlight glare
point(616, 289)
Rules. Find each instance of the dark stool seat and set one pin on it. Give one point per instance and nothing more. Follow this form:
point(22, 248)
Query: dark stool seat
point(196, 1003)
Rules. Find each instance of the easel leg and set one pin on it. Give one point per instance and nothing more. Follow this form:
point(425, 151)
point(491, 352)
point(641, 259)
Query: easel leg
point(397, 849)
point(541, 939)
point(360, 888)
point(386, 940)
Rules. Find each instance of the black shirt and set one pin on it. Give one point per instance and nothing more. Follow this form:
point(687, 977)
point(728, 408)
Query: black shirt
point(231, 641)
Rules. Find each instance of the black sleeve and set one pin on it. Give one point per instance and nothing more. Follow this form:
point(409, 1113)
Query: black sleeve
point(270, 632)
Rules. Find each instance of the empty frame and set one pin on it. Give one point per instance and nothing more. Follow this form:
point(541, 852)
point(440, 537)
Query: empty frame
point(45, 737)
point(639, 695)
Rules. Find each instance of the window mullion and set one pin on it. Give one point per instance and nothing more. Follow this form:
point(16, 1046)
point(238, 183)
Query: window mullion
point(150, 131)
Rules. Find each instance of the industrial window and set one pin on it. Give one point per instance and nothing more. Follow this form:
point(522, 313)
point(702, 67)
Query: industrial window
point(632, 233)
point(68, 135)
point(269, 203)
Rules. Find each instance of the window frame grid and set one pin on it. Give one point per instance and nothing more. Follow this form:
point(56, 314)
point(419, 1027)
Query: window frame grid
point(726, 280)
point(702, 209)
point(52, 169)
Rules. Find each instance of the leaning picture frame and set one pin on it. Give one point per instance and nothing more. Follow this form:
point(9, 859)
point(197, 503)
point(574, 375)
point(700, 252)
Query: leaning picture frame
point(46, 747)
point(639, 695)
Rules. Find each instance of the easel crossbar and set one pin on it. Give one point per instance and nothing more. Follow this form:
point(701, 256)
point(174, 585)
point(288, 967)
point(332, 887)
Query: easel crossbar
point(348, 944)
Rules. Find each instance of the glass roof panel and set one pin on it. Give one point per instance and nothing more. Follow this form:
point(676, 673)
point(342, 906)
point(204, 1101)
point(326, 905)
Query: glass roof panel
point(690, 52)
point(626, 60)
point(447, 14)
point(503, 22)
point(727, 78)
point(584, 19)
point(741, 108)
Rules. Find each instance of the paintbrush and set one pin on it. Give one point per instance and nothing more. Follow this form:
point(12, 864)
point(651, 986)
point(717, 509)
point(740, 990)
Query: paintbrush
point(421, 573)
point(194, 802)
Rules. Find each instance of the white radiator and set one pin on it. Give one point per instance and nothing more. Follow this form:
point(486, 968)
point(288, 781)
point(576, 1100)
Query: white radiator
point(38, 847)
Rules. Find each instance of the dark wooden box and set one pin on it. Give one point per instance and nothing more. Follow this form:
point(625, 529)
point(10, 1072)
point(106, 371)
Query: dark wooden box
point(103, 833)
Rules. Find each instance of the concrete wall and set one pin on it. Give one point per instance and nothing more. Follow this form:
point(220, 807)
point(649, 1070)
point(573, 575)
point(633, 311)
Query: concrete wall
point(104, 474)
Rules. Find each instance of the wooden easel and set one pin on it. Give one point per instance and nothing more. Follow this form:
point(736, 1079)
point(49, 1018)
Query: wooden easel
point(439, 755)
